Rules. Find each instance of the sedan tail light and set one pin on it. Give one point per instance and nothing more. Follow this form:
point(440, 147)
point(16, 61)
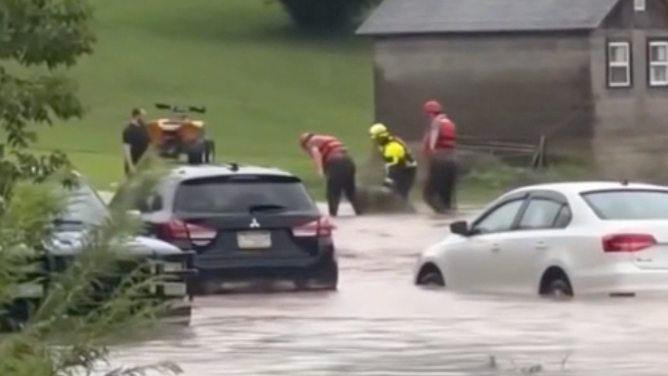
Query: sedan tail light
point(320, 228)
point(627, 242)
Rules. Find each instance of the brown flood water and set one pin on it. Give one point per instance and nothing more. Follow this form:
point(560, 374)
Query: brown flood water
point(380, 324)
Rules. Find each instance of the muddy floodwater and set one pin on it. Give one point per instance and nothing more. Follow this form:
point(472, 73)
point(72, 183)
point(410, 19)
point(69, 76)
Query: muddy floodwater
point(380, 324)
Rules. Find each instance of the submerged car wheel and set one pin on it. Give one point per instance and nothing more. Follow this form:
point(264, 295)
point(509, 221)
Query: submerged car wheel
point(555, 284)
point(559, 289)
point(430, 275)
point(330, 277)
point(204, 287)
point(326, 278)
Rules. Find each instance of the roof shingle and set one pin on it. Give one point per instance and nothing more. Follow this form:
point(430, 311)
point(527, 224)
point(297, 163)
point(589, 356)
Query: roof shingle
point(481, 16)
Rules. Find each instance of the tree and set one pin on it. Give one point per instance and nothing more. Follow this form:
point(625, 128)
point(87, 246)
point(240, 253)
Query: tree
point(39, 39)
point(54, 341)
point(41, 35)
point(325, 15)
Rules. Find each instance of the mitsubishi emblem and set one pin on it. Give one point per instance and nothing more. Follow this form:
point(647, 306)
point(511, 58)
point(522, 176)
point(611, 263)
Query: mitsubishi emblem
point(254, 223)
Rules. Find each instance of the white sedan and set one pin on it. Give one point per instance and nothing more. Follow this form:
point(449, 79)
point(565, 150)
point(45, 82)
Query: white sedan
point(558, 239)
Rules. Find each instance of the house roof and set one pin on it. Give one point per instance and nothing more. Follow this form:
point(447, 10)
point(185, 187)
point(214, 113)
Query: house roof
point(484, 16)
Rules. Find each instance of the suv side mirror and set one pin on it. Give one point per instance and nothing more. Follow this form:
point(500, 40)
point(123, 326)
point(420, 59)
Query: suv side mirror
point(460, 228)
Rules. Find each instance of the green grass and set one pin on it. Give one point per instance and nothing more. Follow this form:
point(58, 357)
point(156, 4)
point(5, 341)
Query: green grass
point(261, 83)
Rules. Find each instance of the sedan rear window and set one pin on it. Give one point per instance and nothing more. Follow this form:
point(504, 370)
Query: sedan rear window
point(243, 194)
point(628, 204)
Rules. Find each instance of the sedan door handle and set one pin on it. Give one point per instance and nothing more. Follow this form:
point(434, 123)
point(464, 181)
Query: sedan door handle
point(541, 245)
point(495, 248)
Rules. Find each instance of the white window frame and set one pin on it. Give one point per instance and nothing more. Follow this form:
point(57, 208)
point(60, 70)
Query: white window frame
point(653, 64)
point(639, 5)
point(619, 64)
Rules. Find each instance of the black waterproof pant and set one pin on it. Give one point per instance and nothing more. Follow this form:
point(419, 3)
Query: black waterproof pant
point(440, 187)
point(403, 178)
point(340, 175)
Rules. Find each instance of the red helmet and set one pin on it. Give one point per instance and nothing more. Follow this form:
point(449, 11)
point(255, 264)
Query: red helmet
point(433, 107)
point(304, 137)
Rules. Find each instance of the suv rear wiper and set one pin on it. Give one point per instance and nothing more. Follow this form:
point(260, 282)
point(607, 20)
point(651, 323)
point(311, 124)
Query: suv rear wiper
point(265, 207)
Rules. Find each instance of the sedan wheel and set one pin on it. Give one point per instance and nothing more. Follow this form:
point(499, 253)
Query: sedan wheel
point(559, 289)
point(433, 279)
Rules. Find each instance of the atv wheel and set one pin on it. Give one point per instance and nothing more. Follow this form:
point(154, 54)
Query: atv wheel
point(195, 158)
point(196, 152)
point(209, 151)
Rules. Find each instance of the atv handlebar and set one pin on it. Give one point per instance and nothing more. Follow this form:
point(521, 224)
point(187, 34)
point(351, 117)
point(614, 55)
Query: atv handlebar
point(180, 109)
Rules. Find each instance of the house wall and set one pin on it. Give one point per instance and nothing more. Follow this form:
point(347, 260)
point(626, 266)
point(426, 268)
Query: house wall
point(631, 124)
point(512, 87)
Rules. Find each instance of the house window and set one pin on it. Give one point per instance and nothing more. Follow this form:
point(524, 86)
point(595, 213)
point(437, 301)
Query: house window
point(639, 5)
point(619, 64)
point(658, 63)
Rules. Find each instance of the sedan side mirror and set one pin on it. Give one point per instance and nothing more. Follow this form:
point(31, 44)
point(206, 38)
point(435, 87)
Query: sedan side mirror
point(460, 228)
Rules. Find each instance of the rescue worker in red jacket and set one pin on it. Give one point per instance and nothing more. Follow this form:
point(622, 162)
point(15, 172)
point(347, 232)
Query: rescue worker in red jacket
point(439, 151)
point(331, 160)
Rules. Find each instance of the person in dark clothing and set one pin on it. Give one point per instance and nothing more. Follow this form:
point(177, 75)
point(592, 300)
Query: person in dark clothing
point(439, 149)
point(340, 172)
point(135, 141)
point(440, 187)
point(332, 162)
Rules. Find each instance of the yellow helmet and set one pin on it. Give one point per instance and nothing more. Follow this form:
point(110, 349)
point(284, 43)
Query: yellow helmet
point(377, 130)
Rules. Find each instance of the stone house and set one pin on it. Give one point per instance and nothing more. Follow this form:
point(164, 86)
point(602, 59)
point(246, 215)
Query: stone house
point(590, 75)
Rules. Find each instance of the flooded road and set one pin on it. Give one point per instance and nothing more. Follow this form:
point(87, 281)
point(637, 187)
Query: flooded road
point(379, 323)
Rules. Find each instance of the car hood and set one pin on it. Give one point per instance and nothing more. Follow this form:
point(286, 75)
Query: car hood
point(69, 242)
point(434, 250)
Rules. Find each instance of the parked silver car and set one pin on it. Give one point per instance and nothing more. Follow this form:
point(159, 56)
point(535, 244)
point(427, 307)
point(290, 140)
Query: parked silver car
point(84, 209)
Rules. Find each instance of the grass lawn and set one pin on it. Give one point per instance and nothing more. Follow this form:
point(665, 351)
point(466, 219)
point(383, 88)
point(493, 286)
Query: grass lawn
point(262, 84)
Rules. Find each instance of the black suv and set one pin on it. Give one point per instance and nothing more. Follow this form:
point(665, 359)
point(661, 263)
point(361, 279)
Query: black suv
point(245, 223)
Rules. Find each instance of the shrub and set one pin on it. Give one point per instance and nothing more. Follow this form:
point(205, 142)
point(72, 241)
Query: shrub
point(325, 15)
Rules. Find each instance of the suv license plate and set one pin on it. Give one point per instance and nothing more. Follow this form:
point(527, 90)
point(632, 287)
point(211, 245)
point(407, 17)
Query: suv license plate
point(254, 240)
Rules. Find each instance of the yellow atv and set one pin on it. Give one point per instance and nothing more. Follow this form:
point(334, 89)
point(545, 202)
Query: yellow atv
point(179, 134)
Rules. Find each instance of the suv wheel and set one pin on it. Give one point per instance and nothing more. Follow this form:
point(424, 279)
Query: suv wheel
point(206, 287)
point(329, 276)
point(326, 278)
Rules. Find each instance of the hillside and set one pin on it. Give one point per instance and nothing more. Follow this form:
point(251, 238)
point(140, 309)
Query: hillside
point(262, 83)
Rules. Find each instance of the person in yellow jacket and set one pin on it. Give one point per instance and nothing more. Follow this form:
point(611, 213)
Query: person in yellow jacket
point(400, 165)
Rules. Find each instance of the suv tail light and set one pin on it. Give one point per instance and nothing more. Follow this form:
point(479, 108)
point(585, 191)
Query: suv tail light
point(627, 242)
point(320, 228)
point(176, 229)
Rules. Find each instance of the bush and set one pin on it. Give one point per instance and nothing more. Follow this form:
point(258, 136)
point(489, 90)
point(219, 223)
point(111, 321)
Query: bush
point(65, 329)
point(325, 15)
point(54, 341)
point(485, 176)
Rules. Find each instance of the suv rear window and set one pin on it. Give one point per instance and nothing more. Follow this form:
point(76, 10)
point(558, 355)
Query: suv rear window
point(242, 194)
point(628, 204)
